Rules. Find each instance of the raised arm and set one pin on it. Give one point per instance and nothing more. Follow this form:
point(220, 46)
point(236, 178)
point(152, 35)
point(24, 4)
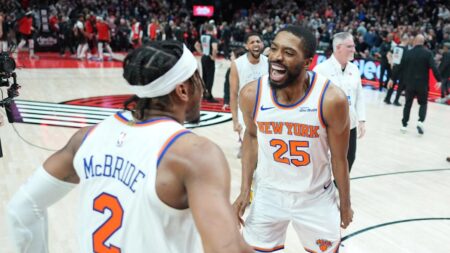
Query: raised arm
point(207, 182)
point(247, 100)
point(336, 115)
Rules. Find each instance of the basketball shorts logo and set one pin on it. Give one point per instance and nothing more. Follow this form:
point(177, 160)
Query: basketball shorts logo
point(324, 244)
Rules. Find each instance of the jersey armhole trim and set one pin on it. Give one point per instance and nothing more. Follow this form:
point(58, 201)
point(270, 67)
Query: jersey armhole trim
point(87, 134)
point(258, 100)
point(322, 120)
point(169, 143)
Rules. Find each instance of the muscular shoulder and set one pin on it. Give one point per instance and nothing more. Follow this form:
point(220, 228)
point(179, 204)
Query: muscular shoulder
point(192, 154)
point(335, 104)
point(335, 96)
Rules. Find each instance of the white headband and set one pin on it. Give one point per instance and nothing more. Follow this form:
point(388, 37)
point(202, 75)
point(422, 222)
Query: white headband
point(180, 72)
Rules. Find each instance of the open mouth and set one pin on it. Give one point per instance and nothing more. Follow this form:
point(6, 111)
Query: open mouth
point(256, 50)
point(277, 72)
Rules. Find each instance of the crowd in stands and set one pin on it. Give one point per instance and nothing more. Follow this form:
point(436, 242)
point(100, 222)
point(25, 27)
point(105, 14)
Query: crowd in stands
point(131, 22)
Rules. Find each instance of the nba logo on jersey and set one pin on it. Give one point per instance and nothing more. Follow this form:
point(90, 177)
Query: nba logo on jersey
point(323, 244)
point(121, 139)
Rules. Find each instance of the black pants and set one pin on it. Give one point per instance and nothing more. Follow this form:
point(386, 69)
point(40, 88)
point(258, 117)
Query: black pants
point(351, 154)
point(208, 69)
point(422, 99)
point(400, 89)
point(445, 85)
point(384, 68)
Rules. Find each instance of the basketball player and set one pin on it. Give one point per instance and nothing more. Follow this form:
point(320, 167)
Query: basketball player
point(345, 74)
point(147, 183)
point(293, 119)
point(103, 38)
point(243, 70)
point(25, 32)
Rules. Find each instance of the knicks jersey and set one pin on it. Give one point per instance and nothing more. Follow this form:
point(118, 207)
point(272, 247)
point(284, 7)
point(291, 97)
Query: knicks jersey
point(292, 139)
point(120, 210)
point(248, 72)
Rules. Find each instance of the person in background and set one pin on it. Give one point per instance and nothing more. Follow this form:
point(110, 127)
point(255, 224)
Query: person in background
point(103, 38)
point(414, 69)
point(209, 49)
point(345, 74)
point(397, 55)
point(236, 53)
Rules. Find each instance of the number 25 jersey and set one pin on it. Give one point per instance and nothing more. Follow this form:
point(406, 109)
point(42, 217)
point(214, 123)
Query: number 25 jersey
point(293, 150)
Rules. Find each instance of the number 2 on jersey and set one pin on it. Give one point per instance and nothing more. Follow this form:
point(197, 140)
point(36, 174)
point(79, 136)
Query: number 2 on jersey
point(294, 151)
point(110, 226)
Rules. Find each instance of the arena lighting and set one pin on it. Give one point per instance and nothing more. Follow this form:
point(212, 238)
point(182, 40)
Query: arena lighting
point(203, 10)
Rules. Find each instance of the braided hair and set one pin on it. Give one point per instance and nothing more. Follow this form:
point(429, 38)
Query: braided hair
point(146, 64)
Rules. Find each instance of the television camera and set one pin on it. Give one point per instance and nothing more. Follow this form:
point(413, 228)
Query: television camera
point(7, 67)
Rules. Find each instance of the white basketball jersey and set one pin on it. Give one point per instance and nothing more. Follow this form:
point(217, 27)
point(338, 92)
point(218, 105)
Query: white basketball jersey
point(248, 72)
point(292, 139)
point(120, 210)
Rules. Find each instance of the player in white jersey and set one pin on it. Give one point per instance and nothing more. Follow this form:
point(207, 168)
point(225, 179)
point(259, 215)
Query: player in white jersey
point(243, 70)
point(147, 183)
point(293, 119)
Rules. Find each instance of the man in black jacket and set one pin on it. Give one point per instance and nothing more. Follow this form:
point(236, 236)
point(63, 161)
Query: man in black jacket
point(444, 69)
point(414, 69)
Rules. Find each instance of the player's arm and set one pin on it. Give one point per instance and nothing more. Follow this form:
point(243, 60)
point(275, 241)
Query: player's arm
point(207, 181)
point(247, 100)
point(234, 91)
point(215, 50)
point(27, 210)
point(336, 116)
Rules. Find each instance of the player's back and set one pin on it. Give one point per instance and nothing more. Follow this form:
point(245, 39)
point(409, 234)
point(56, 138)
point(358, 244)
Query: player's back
point(117, 164)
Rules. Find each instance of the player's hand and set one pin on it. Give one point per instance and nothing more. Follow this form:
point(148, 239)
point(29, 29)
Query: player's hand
point(361, 129)
point(390, 84)
point(346, 216)
point(240, 204)
point(225, 107)
point(237, 127)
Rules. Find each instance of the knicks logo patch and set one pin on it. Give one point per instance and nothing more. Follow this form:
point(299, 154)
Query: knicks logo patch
point(90, 111)
point(324, 244)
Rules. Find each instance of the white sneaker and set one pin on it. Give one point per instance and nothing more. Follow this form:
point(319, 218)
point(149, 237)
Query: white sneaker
point(420, 127)
point(403, 129)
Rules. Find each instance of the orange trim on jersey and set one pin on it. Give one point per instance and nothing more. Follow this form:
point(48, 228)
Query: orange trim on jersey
point(268, 249)
point(258, 99)
point(300, 101)
point(310, 250)
point(141, 124)
point(163, 148)
point(88, 133)
point(319, 106)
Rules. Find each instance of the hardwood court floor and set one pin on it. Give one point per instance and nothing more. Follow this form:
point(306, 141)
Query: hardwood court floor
point(400, 182)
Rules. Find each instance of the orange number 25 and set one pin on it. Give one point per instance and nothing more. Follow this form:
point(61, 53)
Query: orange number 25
point(294, 151)
point(111, 225)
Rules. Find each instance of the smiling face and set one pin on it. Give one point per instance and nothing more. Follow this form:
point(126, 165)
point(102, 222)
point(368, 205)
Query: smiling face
point(253, 46)
point(286, 60)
